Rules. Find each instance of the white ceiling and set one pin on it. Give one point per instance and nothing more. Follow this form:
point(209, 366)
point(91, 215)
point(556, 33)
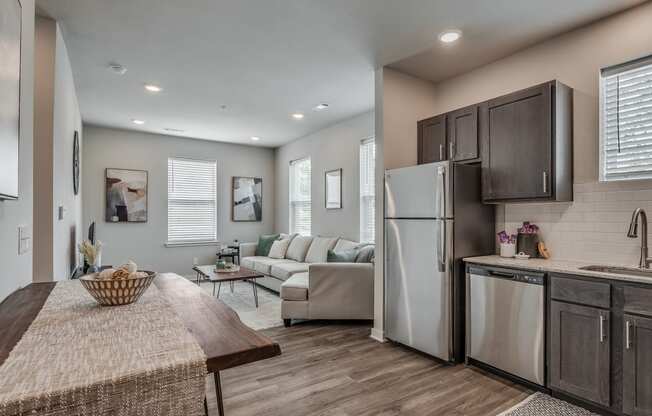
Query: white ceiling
point(265, 59)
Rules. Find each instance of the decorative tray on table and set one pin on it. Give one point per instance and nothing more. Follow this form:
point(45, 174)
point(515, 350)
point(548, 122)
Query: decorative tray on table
point(228, 269)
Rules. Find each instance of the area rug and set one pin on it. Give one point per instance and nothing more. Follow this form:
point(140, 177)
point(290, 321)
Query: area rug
point(241, 300)
point(540, 404)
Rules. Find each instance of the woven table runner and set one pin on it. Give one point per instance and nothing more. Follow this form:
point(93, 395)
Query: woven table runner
point(78, 358)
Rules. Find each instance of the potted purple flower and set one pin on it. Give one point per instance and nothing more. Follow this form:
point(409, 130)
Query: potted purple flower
point(528, 239)
point(507, 244)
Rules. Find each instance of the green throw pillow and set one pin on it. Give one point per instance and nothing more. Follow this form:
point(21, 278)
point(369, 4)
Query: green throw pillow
point(265, 244)
point(342, 256)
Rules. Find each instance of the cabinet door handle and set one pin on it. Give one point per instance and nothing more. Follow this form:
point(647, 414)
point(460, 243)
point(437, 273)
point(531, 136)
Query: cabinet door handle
point(545, 181)
point(628, 340)
point(441, 152)
point(602, 332)
point(451, 148)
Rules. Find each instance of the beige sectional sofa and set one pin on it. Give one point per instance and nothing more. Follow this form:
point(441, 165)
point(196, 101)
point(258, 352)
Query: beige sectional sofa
point(309, 286)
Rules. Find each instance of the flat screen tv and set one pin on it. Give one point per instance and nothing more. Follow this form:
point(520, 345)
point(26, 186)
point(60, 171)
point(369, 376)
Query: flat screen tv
point(10, 32)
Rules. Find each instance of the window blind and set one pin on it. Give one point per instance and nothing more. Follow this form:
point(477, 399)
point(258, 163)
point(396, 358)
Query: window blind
point(192, 201)
point(300, 197)
point(367, 191)
point(626, 105)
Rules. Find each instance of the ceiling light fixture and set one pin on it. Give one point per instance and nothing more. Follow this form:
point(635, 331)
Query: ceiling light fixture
point(321, 107)
point(297, 116)
point(450, 36)
point(117, 68)
point(136, 121)
point(254, 138)
point(153, 88)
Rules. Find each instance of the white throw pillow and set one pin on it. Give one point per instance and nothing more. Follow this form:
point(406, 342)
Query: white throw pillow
point(318, 252)
point(344, 245)
point(279, 248)
point(298, 248)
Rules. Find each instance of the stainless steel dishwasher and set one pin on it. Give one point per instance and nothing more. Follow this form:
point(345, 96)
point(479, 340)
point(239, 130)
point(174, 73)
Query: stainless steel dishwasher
point(505, 321)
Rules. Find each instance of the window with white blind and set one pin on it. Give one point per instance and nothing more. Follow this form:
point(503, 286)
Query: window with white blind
point(367, 191)
point(300, 198)
point(192, 201)
point(626, 121)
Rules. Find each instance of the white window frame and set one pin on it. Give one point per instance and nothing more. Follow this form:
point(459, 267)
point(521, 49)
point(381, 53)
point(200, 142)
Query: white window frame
point(291, 201)
point(604, 74)
point(364, 195)
point(198, 241)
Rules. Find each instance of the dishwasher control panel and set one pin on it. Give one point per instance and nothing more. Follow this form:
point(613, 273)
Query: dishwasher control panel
point(529, 278)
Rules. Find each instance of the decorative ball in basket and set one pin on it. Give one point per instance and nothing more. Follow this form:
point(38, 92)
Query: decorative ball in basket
point(114, 287)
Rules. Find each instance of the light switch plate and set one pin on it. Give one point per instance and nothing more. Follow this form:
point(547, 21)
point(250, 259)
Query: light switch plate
point(24, 240)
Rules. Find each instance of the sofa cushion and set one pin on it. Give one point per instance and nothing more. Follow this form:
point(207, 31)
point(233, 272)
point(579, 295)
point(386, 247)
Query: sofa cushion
point(284, 270)
point(279, 248)
point(295, 288)
point(318, 251)
point(343, 245)
point(250, 262)
point(264, 265)
point(342, 256)
point(298, 248)
point(365, 254)
point(265, 244)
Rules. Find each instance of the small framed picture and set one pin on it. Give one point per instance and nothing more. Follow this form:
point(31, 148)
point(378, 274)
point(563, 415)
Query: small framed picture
point(247, 199)
point(333, 185)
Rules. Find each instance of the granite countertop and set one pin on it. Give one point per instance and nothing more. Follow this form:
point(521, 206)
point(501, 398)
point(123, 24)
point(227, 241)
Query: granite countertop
point(557, 266)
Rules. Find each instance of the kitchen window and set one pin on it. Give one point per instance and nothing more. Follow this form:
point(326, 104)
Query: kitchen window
point(192, 201)
point(626, 121)
point(300, 197)
point(367, 191)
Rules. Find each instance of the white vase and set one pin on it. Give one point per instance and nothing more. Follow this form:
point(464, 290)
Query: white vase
point(507, 250)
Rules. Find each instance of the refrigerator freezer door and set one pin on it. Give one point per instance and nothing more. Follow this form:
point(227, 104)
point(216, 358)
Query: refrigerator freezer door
point(418, 295)
point(420, 191)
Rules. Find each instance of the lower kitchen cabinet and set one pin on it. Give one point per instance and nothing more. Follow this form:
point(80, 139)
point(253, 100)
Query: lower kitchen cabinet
point(637, 365)
point(580, 351)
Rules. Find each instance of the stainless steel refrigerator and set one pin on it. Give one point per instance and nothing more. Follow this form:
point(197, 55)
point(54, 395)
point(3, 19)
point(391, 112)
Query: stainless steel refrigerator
point(433, 218)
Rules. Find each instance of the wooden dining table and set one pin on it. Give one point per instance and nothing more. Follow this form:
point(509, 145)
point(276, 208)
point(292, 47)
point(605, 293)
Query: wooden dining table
point(225, 340)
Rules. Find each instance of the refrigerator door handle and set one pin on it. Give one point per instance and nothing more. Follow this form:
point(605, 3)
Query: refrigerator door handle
point(442, 247)
point(441, 172)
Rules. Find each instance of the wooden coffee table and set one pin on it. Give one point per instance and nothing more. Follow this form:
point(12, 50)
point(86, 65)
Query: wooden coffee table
point(208, 272)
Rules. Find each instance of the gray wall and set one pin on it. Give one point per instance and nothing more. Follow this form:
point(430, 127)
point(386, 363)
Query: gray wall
point(56, 118)
point(144, 243)
point(17, 269)
point(335, 147)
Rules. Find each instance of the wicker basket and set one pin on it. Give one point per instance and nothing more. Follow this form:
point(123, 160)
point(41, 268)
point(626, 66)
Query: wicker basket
point(117, 292)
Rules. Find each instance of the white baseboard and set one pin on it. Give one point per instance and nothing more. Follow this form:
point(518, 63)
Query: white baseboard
point(377, 335)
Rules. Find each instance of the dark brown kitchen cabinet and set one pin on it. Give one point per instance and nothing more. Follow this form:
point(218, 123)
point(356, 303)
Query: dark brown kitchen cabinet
point(527, 150)
point(432, 140)
point(637, 365)
point(580, 351)
point(463, 135)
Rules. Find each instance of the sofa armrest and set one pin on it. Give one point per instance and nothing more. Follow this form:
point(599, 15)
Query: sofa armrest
point(341, 290)
point(248, 249)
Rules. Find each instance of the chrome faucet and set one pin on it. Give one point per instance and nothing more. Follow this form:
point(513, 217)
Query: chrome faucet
point(644, 262)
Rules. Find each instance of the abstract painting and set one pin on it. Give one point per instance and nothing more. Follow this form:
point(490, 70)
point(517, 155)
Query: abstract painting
point(247, 199)
point(126, 195)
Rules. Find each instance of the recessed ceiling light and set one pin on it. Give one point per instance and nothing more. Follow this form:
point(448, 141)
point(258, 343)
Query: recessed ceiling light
point(136, 121)
point(254, 138)
point(450, 36)
point(153, 88)
point(321, 107)
point(297, 116)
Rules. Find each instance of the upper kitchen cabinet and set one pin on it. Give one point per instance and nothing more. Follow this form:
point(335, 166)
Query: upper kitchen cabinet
point(432, 140)
point(463, 135)
point(527, 152)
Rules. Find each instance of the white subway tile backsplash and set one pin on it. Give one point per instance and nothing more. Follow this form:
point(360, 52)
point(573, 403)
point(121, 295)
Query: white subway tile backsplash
point(592, 228)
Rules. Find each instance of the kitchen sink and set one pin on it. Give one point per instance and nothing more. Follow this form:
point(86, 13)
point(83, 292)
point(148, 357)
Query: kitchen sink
point(631, 271)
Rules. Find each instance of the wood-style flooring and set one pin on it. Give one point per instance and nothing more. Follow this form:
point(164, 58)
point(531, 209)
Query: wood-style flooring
point(337, 370)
